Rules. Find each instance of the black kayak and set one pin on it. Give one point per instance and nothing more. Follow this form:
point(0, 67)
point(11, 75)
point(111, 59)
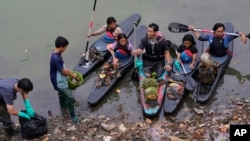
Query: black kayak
point(85, 67)
point(97, 93)
point(204, 92)
point(182, 75)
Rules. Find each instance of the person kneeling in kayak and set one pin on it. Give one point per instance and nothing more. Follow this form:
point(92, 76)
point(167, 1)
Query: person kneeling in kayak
point(186, 53)
point(111, 30)
point(156, 56)
point(121, 49)
point(218, 41)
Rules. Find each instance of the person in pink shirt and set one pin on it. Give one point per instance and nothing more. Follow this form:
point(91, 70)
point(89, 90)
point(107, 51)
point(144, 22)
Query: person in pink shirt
point(121, 49)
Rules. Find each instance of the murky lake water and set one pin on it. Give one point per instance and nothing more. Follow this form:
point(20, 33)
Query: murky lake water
point(29, 28)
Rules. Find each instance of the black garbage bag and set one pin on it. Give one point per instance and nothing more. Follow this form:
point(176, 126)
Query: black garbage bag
point(33, 128)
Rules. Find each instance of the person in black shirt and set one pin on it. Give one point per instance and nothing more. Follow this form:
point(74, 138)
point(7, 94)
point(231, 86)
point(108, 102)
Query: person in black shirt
point(156, 56)
point(186, 53)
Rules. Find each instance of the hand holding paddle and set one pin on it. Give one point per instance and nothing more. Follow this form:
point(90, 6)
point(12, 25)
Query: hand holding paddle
point(90, 27)
point(181, 28)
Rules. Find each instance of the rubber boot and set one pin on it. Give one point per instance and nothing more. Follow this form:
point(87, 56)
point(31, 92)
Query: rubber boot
point(71, 109)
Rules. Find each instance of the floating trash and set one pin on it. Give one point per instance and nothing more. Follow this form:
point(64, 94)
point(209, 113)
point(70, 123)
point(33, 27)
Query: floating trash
point(24, 58)
point(118, 91)
point(108, 127)
point(198, 111)
point(106, 138)
point(246, 101)
point(122, 128)
point(242, 80)
point(72, 128)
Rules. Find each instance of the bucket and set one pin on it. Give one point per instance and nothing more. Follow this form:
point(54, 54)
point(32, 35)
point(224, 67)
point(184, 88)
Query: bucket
point(73, 84)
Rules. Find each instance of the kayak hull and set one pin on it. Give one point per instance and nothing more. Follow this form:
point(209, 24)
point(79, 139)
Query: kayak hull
point(170, 105)
point(86, 67)
point(97, 94)
point(204, 92)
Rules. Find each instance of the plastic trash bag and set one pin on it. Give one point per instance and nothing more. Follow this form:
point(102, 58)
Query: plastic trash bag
point(33, 128)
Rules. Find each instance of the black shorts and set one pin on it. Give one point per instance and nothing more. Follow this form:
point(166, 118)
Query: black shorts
point(153, 66)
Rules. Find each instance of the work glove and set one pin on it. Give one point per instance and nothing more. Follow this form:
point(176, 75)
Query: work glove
point(139, 64)
point(29, 109)
point(177, 65)
point(23, 115)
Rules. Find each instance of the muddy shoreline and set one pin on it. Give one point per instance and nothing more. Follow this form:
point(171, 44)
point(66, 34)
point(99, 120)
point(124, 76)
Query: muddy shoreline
point(204, 125)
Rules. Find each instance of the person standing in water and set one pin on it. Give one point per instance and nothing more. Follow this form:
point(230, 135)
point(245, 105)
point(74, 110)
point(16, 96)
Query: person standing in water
point(66, 98)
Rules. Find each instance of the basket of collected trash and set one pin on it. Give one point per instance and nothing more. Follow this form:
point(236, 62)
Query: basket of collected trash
point(150, 86)
point(75, 82)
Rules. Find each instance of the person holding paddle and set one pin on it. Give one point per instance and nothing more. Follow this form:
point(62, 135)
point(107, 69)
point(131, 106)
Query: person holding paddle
point(156, 56)
point(111, 30)
point(186, 53)
point(121, 49)
point(218, 41)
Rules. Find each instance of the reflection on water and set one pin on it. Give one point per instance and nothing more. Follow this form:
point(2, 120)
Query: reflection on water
point(237, 74)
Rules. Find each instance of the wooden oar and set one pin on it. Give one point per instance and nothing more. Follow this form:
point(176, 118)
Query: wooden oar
point(181, 28)
point(90, 27)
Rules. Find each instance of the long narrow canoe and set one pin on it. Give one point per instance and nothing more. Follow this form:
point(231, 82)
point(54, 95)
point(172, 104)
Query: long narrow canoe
point(85, 67)
point(204, 92)
point(97, 93)
point(170, 105)
point(152, 108)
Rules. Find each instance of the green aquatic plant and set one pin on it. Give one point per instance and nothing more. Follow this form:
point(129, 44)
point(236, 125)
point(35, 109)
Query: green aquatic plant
point(149, 82)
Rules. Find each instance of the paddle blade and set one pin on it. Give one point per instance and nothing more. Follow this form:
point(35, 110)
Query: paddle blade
point(178, 28)
point(248, 36)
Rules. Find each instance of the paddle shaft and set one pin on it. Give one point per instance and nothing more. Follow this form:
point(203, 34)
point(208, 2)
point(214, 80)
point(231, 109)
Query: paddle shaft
point(211, 31)
point(90, 26)
point(135, 43)
point(179, 28)
point(181, 63)
point(190, 84)
point(183, 68)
